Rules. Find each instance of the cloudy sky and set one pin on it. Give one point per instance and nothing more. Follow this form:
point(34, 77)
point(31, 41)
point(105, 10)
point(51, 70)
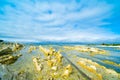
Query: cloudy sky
point(59, 20)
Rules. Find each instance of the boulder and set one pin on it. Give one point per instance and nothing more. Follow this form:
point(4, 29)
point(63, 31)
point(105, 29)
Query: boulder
point(5, 51)
point(1, 40)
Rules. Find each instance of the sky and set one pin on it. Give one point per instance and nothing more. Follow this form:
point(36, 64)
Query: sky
point(60, 20)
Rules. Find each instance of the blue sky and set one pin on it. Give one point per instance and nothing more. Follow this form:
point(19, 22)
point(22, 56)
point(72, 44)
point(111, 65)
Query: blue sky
point(59, 20)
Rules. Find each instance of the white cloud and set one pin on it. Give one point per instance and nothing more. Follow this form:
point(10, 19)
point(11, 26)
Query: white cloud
point(49, 20)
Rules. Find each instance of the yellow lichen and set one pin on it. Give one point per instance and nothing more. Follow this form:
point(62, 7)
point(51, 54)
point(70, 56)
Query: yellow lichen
point(91, 69)
point(91, 50)
point(67, 71)
point(31, 48)
point(37, 64)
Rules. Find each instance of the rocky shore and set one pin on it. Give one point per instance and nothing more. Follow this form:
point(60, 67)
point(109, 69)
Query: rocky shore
point(36, 62)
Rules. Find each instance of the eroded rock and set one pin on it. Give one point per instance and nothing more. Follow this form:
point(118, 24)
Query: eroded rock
point(9, 59)
point(5, 51)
